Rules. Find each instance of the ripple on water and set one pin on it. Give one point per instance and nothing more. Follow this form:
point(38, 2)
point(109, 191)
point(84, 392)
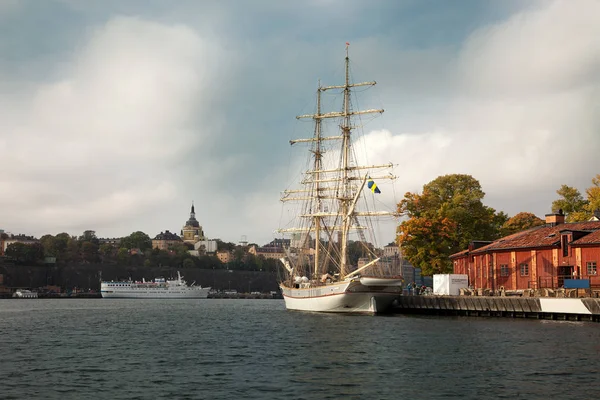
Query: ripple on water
point(219, 349)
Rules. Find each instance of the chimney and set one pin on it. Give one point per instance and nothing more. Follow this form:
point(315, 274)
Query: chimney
point(555, 218)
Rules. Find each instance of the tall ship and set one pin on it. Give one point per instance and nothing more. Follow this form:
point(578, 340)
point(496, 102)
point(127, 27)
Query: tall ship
point(159, 288)
point(335, 212)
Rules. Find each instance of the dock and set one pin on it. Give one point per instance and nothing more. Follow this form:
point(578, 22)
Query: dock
point(569, 309)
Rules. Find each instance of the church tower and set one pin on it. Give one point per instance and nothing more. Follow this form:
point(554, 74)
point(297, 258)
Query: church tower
point(192, 231)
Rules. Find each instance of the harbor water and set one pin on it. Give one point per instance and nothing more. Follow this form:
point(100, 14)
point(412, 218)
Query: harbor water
point(255, 349)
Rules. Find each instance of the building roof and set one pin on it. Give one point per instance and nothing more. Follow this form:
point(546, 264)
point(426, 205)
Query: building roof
point(541, 236)
point(167, 236)
point(592, 238)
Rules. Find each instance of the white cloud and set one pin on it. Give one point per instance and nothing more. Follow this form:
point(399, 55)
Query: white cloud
point(524, 116)
point(145, 116)
point(94, 148)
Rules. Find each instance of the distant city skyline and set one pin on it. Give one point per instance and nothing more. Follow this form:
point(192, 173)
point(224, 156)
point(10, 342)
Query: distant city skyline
point(115, 115)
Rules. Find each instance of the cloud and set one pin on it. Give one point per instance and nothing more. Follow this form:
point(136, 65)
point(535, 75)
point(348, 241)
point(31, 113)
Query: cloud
point(522, 118)
point(94, 147)
point(121, 128)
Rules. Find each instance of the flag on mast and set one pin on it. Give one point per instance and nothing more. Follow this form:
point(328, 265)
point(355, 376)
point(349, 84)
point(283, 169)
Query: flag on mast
point(371, 184)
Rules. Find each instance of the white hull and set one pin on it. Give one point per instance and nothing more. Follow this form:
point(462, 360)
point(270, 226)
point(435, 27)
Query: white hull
point(25, 294)
point(341, 297)
point(192, 293)
point(160, 289)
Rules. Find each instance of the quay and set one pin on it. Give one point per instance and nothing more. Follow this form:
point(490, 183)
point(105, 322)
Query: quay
point(569, 309)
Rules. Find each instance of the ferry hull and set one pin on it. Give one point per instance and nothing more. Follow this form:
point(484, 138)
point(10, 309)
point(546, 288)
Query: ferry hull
point(342, 297)
point(140, 294)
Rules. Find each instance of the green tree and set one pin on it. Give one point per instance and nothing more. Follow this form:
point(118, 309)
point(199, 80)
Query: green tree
point(108, 252)
point(357, 250)
point(89, 236)
point(61, 242)
point(571, 202)
point(137, 240)
point(73, 250)
point(89, 252)
point(25, 253)
point(521, 222)
point(223, 246)
point(188, 263)
point(443, 220)
point(123, 256)
point(49, 243)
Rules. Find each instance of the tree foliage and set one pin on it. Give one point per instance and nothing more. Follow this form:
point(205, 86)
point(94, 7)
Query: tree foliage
point(571, 202)
point(520, 222)
point(443, 220)
point(593, 196)
point(137, 240)
point(25, 252)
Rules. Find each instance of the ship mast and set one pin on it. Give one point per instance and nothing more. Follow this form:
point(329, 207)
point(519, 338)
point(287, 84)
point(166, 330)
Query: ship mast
point(321, 184)
point(318, 167)
point(345, 182)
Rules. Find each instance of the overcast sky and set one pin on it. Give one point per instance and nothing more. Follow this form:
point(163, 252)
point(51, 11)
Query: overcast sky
point(115, 115)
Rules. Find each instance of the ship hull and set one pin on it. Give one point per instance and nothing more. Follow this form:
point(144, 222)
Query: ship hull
point(341, 297)
point(154, 294)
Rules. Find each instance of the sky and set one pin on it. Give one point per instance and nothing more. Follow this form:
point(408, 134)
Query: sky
point(115, 115)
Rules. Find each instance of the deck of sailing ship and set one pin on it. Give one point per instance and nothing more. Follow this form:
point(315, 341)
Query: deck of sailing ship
point(335, 203)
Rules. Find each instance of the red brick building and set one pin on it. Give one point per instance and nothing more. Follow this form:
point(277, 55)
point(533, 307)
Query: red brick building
point(540, 257)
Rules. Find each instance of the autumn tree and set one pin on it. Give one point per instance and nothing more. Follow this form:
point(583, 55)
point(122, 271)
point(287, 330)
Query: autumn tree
point(443, 220)
point(571, 202)
point(593, 196)
point(520, 222)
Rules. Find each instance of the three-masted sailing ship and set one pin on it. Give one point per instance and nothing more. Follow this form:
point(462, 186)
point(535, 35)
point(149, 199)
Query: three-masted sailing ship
point(319, 273)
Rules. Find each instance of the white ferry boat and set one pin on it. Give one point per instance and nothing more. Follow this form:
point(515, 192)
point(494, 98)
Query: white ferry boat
point(157, 289)
point(25, 294)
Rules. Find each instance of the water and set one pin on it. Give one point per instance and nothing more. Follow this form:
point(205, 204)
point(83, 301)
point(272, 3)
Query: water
point(255, 349)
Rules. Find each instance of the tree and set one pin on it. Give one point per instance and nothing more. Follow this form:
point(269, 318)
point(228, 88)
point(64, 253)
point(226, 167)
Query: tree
point(593, 196)
point(223, 246)
point(89, 236)
point(137, 240)
point(357, 250)
point(188, 263)
point(49, 245)
point(123, 256)
point(89, 252)
point(108, 252)
point(571, 202)
point(25, 252)
point(72, 251)
point(443, 220)
point(521, 222)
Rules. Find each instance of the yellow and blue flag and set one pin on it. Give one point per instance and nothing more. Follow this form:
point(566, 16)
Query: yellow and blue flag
point(373, 186)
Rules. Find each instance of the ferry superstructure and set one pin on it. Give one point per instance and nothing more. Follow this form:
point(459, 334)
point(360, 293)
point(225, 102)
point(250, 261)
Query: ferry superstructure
point(157, 289)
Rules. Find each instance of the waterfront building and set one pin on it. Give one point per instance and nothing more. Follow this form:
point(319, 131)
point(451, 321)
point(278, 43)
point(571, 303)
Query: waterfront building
point(112, 241)
point(163, 241)
point(392, 250)
point(540, 257)
point(224, 256)
point(8, 239)
point(275, 249)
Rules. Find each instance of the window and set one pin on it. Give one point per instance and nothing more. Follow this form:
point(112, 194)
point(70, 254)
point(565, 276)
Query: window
point(504, 271)
point(591, 268)
point(565, 245)
point(524, 269)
